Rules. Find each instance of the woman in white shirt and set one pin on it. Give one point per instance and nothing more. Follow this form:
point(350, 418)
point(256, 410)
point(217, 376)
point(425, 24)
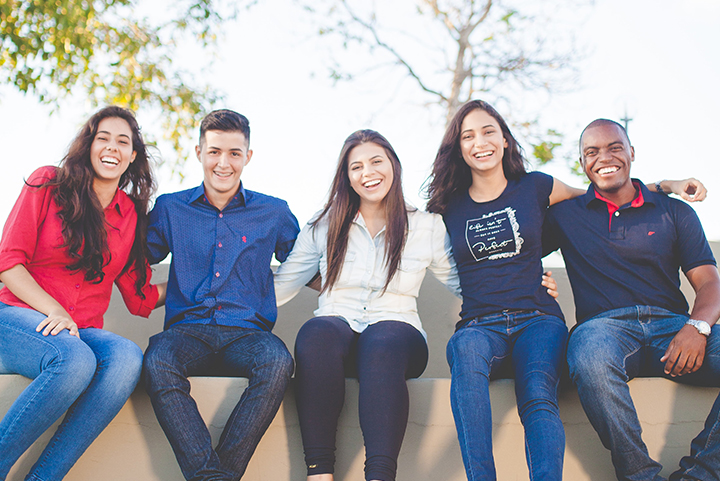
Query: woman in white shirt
point(372, 251)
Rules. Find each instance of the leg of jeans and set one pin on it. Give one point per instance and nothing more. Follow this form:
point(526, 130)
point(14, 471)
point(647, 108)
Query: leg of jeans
point(171, 357)
point(603, 354)
point(61, 368)
point(322, 349)
point(388, 353)
point(473, 352)
point(263, 358)
point(538, 356)
point(119, 362)
point(703, 463)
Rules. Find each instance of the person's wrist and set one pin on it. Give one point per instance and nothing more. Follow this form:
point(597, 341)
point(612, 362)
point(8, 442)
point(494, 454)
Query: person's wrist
point(658, 187)
point(701, 326)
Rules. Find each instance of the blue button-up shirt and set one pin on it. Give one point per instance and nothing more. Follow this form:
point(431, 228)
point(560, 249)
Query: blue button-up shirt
point(220, 268)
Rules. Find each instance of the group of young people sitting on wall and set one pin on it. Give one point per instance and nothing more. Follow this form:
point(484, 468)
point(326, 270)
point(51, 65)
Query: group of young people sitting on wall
point(78, 228)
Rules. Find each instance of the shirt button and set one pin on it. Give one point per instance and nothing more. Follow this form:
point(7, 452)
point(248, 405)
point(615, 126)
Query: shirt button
point(220, 215)
point(217, 274)
point(219, 244)
point(219, 307)
point(617, 214)
point(71, 308)
point(77, 286)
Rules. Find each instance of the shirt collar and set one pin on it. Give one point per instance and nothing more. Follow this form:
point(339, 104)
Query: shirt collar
point(641, 198)
point(119, 203)
point(198, 195)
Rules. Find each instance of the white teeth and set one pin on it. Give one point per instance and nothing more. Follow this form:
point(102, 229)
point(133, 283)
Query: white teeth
point(483, 154)
point(607, 170)
point(223, 174)
point(372, 183)
point(109, 160)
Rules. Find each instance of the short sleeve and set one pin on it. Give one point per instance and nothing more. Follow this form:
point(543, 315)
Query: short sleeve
point(543, 187)
point(692, 245)
point(20, 234)
point(288, 229)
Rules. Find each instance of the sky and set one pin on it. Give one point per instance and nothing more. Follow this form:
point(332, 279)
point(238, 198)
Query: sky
point(656, 60)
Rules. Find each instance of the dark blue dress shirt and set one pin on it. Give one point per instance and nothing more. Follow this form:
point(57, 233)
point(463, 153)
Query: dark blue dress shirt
point(220, 268)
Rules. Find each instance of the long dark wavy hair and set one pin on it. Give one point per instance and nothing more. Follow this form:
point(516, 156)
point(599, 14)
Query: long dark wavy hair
point(84, 228)
point(343, 205)
point(450, 173)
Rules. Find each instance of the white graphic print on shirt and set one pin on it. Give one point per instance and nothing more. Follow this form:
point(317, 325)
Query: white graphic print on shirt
point(495, 235)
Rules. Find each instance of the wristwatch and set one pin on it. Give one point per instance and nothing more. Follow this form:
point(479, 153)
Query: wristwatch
point(702, 326)
point(660, 190)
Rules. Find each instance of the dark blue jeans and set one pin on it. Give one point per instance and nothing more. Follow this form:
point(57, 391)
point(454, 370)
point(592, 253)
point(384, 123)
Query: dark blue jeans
point(200, 350)
point(533, 345)
point(382, 357)
point(607, 351)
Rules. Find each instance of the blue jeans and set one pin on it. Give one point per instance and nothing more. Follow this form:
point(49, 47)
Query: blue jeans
point(607, 351)
point(197, 350)
point(533, 345)
point(90, 378)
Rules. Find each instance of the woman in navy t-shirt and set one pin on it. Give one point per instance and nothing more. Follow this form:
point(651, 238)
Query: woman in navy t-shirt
point(494, 211)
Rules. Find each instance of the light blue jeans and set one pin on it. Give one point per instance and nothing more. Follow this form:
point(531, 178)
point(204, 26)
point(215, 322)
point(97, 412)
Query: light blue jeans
point(90, 378)
point(604, 353)
point(531, 346)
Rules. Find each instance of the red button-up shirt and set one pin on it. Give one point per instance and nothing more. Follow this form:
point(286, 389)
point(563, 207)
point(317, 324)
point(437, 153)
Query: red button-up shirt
point(33, 237)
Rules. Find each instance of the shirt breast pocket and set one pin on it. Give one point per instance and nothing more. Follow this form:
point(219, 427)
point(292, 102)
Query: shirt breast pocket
point(348, 275)
point(409, 275)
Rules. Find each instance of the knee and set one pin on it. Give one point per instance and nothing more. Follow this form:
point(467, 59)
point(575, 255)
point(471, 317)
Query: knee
point(275, 361)
point(318, 336)
point(74, 358)
point(159, 368)
point(125, 361)
point(466, 353)
point(538, 393)
point(588, 364)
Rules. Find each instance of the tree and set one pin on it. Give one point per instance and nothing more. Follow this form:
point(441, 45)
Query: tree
point(467, 48)
point(112, 54)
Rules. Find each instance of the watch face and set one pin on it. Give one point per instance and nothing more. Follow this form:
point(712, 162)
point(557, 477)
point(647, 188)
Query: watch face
point(702, 326)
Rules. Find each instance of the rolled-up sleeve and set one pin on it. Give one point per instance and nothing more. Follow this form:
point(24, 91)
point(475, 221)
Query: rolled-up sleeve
point(443, 264)
point(299, 268)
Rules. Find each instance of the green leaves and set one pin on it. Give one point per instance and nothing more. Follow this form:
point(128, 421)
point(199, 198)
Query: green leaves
point(104, 50)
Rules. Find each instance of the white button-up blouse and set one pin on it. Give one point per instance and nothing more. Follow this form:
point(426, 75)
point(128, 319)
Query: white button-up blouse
point(357, 296)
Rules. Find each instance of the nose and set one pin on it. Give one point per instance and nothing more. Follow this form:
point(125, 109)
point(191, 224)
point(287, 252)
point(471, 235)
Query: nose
point(223, 160)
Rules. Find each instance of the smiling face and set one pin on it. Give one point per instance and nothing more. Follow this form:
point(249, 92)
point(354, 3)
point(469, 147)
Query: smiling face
point(606, 156)
point(111, 151)
point(223, 156)
point(481, 142)
point(370, 172)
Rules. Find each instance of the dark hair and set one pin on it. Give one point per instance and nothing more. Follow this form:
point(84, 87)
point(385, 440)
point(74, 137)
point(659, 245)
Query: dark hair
point(227, 121)
point(450, 173)
point(83, 220)
point(598, 123)
point(343, 205)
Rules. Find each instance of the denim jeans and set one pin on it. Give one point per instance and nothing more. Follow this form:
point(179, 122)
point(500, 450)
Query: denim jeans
point(532, 344)
point(90, 378)
point(199, 349)
point(607, 351)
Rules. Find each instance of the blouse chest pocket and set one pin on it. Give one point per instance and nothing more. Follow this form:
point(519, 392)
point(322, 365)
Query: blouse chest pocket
point(409, 275)
point(349, 273)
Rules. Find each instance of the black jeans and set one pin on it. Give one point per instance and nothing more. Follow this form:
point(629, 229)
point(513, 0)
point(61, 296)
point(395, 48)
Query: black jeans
point(382, 357)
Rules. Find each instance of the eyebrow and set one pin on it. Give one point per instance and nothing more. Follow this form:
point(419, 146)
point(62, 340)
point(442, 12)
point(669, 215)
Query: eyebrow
point(234, 149)
point(108, 133)
point(483, 127)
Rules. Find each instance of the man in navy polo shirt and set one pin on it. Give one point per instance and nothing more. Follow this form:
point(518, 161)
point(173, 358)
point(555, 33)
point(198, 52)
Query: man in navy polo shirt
point(220, 304)
point(623, 246)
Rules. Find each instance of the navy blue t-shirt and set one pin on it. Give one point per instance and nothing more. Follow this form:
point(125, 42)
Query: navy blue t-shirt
point(497, 247)
point(629, 258)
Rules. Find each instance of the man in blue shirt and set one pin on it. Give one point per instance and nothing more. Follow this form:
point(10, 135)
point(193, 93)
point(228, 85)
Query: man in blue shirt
point(220, 305)
point(623, 247)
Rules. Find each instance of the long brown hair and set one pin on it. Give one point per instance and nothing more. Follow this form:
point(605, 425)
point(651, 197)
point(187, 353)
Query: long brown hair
point(343, 205)
point(451, 174)
point(83, 220)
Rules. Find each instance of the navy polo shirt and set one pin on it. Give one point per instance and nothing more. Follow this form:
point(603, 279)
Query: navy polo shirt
point(628, 255)
point(497, 246)
point(220, 268)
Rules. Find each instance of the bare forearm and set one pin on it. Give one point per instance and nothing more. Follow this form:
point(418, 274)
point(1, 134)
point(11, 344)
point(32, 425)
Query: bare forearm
point(707, 307)
point(24, 286)
point(162, 294)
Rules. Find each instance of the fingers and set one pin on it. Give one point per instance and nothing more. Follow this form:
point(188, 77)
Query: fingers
point(551, 285)
point(54, 324)
point(685, 354)
point(693, 190)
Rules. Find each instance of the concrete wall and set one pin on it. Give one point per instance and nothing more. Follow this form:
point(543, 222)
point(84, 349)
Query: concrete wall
point(134, 447)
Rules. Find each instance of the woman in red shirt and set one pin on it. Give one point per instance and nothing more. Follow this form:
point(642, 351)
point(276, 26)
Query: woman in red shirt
point(73, 232)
